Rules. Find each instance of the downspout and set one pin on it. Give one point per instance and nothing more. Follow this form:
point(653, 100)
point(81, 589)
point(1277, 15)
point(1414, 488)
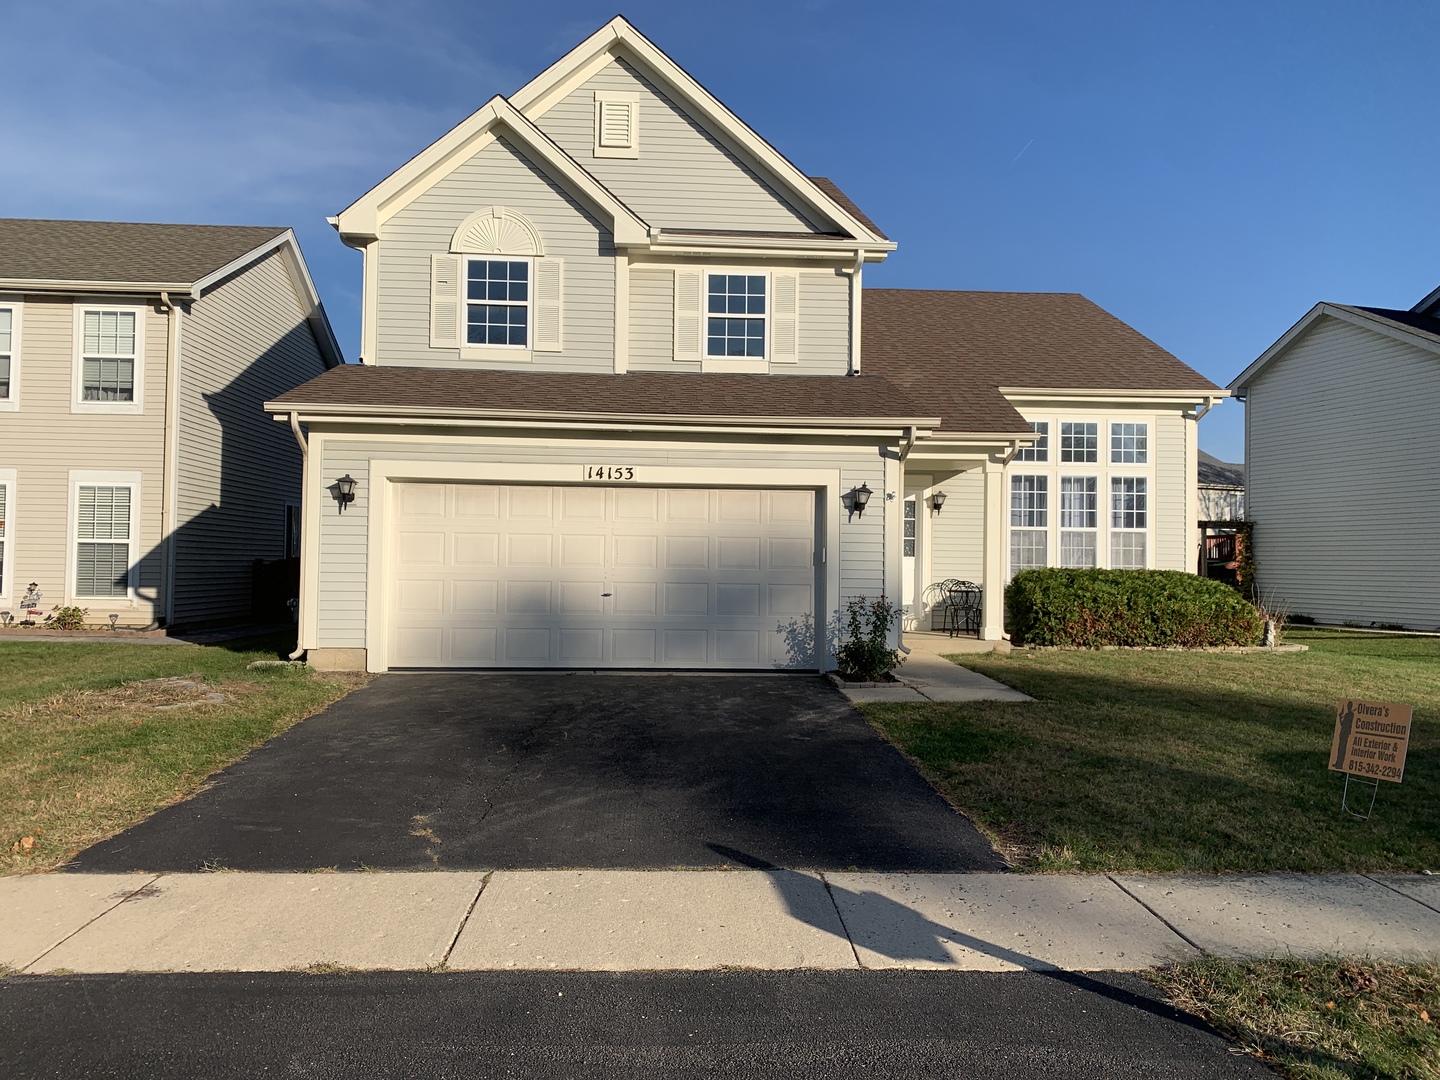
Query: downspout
point(855, 275)
point(909, 444)
point(304, 495)
point(170, 485)
point(1200, 413)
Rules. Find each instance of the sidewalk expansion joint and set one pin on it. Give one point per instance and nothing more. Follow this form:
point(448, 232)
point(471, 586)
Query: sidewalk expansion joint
point(1172, 927)
point(1397, 892)
point(848, 939)
point(150, 880)
point(465, 919)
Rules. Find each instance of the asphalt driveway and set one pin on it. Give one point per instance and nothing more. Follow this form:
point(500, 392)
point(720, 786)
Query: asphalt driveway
point(511, 771)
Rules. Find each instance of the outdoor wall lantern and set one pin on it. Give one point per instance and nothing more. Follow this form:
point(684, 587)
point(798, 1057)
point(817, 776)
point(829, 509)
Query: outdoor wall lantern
point(860, 498)
point(345, 491)
point(937, 500)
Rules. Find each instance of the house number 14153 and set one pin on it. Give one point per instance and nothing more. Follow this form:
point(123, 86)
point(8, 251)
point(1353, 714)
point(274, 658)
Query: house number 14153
point(609, 472)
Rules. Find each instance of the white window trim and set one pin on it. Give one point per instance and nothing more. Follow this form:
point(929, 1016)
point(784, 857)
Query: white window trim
point(17, 321)
point(742, 365)
point(79, 478)
point(632, 101)
point(77, 378)
point(7, 571)
point(511, 353)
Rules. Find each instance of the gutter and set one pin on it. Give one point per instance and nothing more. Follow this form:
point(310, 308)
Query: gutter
point(304, 494)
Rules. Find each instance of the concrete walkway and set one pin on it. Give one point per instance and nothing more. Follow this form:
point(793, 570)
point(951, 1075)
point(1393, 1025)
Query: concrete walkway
point(927, 676)
point(622, 920)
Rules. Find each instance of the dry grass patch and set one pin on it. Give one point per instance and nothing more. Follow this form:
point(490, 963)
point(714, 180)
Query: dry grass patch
point(1327, 1020)
point(83, 763)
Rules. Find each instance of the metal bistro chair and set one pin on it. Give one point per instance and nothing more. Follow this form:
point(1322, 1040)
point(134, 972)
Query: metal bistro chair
point(962, 607)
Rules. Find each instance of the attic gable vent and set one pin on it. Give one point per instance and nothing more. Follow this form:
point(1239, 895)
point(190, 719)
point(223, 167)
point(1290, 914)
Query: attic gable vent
point(617, 124)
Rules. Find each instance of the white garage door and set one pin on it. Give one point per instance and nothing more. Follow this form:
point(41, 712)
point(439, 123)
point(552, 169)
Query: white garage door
point(483, 575)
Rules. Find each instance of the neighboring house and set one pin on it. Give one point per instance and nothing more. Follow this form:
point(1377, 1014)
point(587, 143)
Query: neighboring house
point(1339, 536)
point(1222, 489)
point(139, 475)
point(624, 402)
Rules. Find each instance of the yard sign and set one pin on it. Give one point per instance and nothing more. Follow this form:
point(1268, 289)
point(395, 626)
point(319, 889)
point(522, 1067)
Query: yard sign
point(1371, 738)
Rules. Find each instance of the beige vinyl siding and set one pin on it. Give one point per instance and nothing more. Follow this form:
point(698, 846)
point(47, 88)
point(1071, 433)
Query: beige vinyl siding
point(44, 441)
point(957, 533)
point(1341, 480)
point(244, 343)
point(683, 177)
point(343, 537)
point(652, 321)
point(824, 325)
point(1171, 530)
point(501, 175)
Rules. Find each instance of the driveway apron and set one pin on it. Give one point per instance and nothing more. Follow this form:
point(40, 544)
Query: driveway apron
point(509, 771)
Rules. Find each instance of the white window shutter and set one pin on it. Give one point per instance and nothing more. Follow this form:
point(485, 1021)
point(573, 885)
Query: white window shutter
point(445, 301)
point(687, 315)
point(549, 305)
point(784, 317)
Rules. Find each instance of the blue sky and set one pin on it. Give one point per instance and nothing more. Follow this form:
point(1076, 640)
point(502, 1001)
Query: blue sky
point(1206, 172)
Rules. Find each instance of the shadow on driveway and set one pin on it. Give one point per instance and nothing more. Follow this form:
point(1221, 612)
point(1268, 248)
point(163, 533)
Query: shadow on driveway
point(509, 771)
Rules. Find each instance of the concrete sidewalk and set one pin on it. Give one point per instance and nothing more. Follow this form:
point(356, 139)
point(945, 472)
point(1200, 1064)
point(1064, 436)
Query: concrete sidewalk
point(927, 676)
point(624, 920)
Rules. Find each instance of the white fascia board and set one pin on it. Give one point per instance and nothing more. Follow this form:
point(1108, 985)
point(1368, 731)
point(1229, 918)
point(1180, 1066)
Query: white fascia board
point(553, 84)
point(211, 279)
point(130, 288)
point(364, 218)
point(1345, 314)
point(1129, 397)
point(664, 243)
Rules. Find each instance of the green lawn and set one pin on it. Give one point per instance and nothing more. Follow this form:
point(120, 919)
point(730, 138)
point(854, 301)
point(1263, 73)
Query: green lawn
point(1324, 1020)
point(84, 753)
point(1175, 761)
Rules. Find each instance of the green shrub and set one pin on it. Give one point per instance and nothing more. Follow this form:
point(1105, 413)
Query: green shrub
point(865, 654)
point(66, 618)
point(1165, 608)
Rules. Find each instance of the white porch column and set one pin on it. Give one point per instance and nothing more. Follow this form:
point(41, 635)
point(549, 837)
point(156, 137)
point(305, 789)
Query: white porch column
point(992, 622)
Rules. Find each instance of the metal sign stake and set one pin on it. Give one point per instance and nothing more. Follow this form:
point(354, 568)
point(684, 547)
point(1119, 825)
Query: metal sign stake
point(1345, 797)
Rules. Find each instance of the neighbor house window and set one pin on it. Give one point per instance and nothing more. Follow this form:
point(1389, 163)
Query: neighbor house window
point(736, 316)
point(497, 302)
point(7, 351)
point(1079, 442)
point(1129, 515)
point(1029, 521)
point(1039, 450)
point(1129, 444)
point(102, 540)
point(107, 359)
point(1079, 519)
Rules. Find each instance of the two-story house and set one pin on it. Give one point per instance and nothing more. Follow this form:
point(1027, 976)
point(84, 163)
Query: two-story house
point(139, 475)
point(624, 402)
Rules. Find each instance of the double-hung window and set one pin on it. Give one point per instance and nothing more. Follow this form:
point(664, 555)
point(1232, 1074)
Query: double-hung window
point(9, 341)
point(1129, 444)
point(1079, 442)
point(103, 532)
point(109, 358)
point(1129, 515)
point(736, 314)
point(497, 302)
point(1029, 521)
point(1039, 450)
point(1079, 520)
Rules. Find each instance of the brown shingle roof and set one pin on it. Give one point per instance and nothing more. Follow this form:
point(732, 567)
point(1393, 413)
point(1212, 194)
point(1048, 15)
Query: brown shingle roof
point(952, 350)
point(825, 184)
point(1213, 472)
point(639, 393)
point(121, 251)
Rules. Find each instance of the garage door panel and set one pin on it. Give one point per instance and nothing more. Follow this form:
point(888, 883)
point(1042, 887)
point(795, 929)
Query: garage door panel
point(485, 575)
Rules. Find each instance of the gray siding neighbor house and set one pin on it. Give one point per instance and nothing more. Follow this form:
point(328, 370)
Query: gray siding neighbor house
point(1222, 489)
point(625, 402)
point(1343, 534)
point(139, 475)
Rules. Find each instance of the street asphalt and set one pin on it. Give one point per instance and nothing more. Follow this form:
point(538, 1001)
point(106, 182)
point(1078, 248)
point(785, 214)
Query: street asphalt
point(573, 1024)
point(510, 771)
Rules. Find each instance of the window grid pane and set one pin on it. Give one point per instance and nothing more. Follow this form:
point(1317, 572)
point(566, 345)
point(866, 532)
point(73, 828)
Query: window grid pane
point(102, 570)
point(1129, 444)
point(736, 307)
point(7, 325)
point(1079, 442)
point(1128, 498)
point(1127, 551)
point(1029, 502)
point(110, 333)
point(498, 308)
point(1040, 449)
point(108, 379)
point(104, 513)
point(1027, 549)
point(1077, 550)
point(1078, 502)
point(4, 377)
point(910, 523)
